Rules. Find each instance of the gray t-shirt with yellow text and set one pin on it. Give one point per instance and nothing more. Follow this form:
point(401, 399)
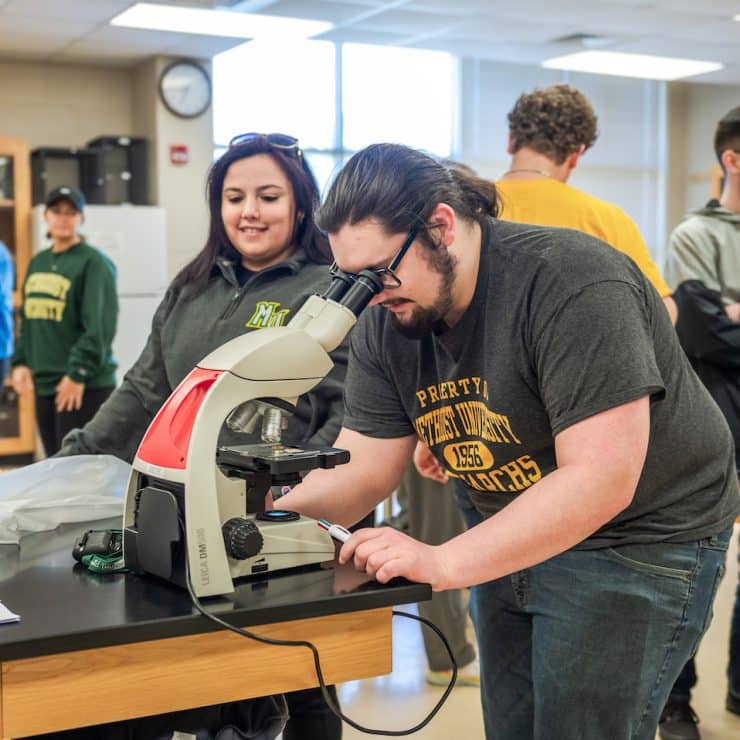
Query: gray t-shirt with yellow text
point(560, 328)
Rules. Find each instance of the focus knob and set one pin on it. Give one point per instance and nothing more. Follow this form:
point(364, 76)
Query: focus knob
point(242, 538)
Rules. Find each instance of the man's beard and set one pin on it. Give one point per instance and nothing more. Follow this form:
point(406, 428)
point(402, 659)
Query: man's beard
point(424, 321)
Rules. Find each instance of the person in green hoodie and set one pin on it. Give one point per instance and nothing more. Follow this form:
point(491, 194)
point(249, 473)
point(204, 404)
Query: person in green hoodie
point(68, 321)
point(704, 270)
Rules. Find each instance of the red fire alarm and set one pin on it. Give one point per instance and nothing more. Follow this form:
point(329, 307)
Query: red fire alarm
point(178, 154)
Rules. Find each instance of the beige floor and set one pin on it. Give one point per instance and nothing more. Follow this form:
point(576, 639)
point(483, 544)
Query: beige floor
point(401, 699)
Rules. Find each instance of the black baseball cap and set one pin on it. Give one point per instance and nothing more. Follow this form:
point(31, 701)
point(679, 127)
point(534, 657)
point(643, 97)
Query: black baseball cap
point(65, 192)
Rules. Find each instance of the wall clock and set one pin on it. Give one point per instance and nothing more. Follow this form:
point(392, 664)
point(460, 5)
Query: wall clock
point(185, 89)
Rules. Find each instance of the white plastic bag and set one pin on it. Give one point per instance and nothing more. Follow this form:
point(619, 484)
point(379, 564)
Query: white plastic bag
point(59, 490)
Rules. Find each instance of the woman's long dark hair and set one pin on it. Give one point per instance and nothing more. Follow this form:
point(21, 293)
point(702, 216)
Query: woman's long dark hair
point(306, 234)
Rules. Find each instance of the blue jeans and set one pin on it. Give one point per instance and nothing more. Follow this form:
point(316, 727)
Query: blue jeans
point(587, 645)
point(681, 691)
point(733, 665)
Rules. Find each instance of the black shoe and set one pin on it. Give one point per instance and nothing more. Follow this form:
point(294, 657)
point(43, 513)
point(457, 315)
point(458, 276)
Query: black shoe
point(678, 721)
point(732, 703)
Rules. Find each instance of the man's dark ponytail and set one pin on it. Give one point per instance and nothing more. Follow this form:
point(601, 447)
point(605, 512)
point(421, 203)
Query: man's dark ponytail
point(400, 187)
point(480, 194)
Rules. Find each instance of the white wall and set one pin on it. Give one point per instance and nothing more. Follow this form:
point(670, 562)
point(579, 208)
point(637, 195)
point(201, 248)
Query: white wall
point(179, 188)
point(67, 105)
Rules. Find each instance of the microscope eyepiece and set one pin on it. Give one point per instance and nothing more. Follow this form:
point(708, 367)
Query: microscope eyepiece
point(367, 284)
point(341, 282)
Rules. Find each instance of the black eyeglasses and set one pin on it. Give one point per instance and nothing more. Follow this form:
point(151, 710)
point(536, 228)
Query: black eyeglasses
point(279, 141)
point(387, 275)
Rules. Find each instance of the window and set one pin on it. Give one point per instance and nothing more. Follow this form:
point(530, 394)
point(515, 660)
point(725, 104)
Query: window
point(406, 96)
point(265, 86)
point(393, 94)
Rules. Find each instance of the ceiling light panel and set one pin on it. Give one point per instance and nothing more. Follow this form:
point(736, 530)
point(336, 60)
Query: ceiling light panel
point(643, 66)
point(226, 23)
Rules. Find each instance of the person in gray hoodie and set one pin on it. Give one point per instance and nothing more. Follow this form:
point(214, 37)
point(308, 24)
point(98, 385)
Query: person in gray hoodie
point(704, 270)
point(263, 258)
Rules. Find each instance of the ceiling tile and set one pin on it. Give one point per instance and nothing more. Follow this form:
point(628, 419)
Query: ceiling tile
point(125, 41)
point(708, 50)
point(204, 47)
point(452, 7)
point(401, 21)
point(317, 10)
point(715, 8)
point(91, 12)
point(22, 44)
point(357, 3)
point(351, 36)
point(14, 25)
point(105, 57)
point(130, 43)
point(500, 29)
point(513, 30)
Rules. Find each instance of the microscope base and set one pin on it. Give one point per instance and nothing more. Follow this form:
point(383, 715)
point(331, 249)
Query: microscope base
point(156, 543)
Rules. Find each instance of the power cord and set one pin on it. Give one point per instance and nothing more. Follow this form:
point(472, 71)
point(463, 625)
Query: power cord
point(319, 673)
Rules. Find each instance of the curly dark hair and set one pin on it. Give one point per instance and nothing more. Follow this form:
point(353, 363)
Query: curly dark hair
point(554, 121)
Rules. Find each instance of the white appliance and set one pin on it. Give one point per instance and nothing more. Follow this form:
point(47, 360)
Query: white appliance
point(135, 240)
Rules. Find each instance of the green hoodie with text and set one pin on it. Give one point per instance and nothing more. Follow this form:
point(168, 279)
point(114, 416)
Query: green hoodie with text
point(68, 319)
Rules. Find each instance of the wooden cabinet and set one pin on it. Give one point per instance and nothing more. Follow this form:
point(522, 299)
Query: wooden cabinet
point(17, 425)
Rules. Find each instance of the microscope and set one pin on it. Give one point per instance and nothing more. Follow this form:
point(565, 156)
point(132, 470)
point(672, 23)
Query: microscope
point(190, 501)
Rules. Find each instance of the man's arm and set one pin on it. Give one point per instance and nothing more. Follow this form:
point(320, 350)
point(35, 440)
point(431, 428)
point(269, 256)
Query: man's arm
point(600, 460)
point(345, 494)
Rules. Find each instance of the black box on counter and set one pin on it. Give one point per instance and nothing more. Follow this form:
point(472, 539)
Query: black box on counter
point(119, 171)
point(52, 167)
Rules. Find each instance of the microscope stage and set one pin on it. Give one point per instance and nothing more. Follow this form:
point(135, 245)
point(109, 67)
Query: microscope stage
point(277, 459)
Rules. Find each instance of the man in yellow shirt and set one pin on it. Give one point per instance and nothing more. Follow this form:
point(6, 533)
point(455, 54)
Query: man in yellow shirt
point(549, 130)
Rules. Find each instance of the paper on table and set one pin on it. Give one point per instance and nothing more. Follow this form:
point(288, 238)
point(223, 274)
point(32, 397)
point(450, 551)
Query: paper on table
point(7, 616)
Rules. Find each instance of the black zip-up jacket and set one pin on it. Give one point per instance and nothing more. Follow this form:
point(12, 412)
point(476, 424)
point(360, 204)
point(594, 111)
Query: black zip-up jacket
point(712, 342)
point(190, 323)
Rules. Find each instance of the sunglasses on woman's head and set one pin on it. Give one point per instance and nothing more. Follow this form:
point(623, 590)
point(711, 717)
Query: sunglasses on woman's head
point(279, 141)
